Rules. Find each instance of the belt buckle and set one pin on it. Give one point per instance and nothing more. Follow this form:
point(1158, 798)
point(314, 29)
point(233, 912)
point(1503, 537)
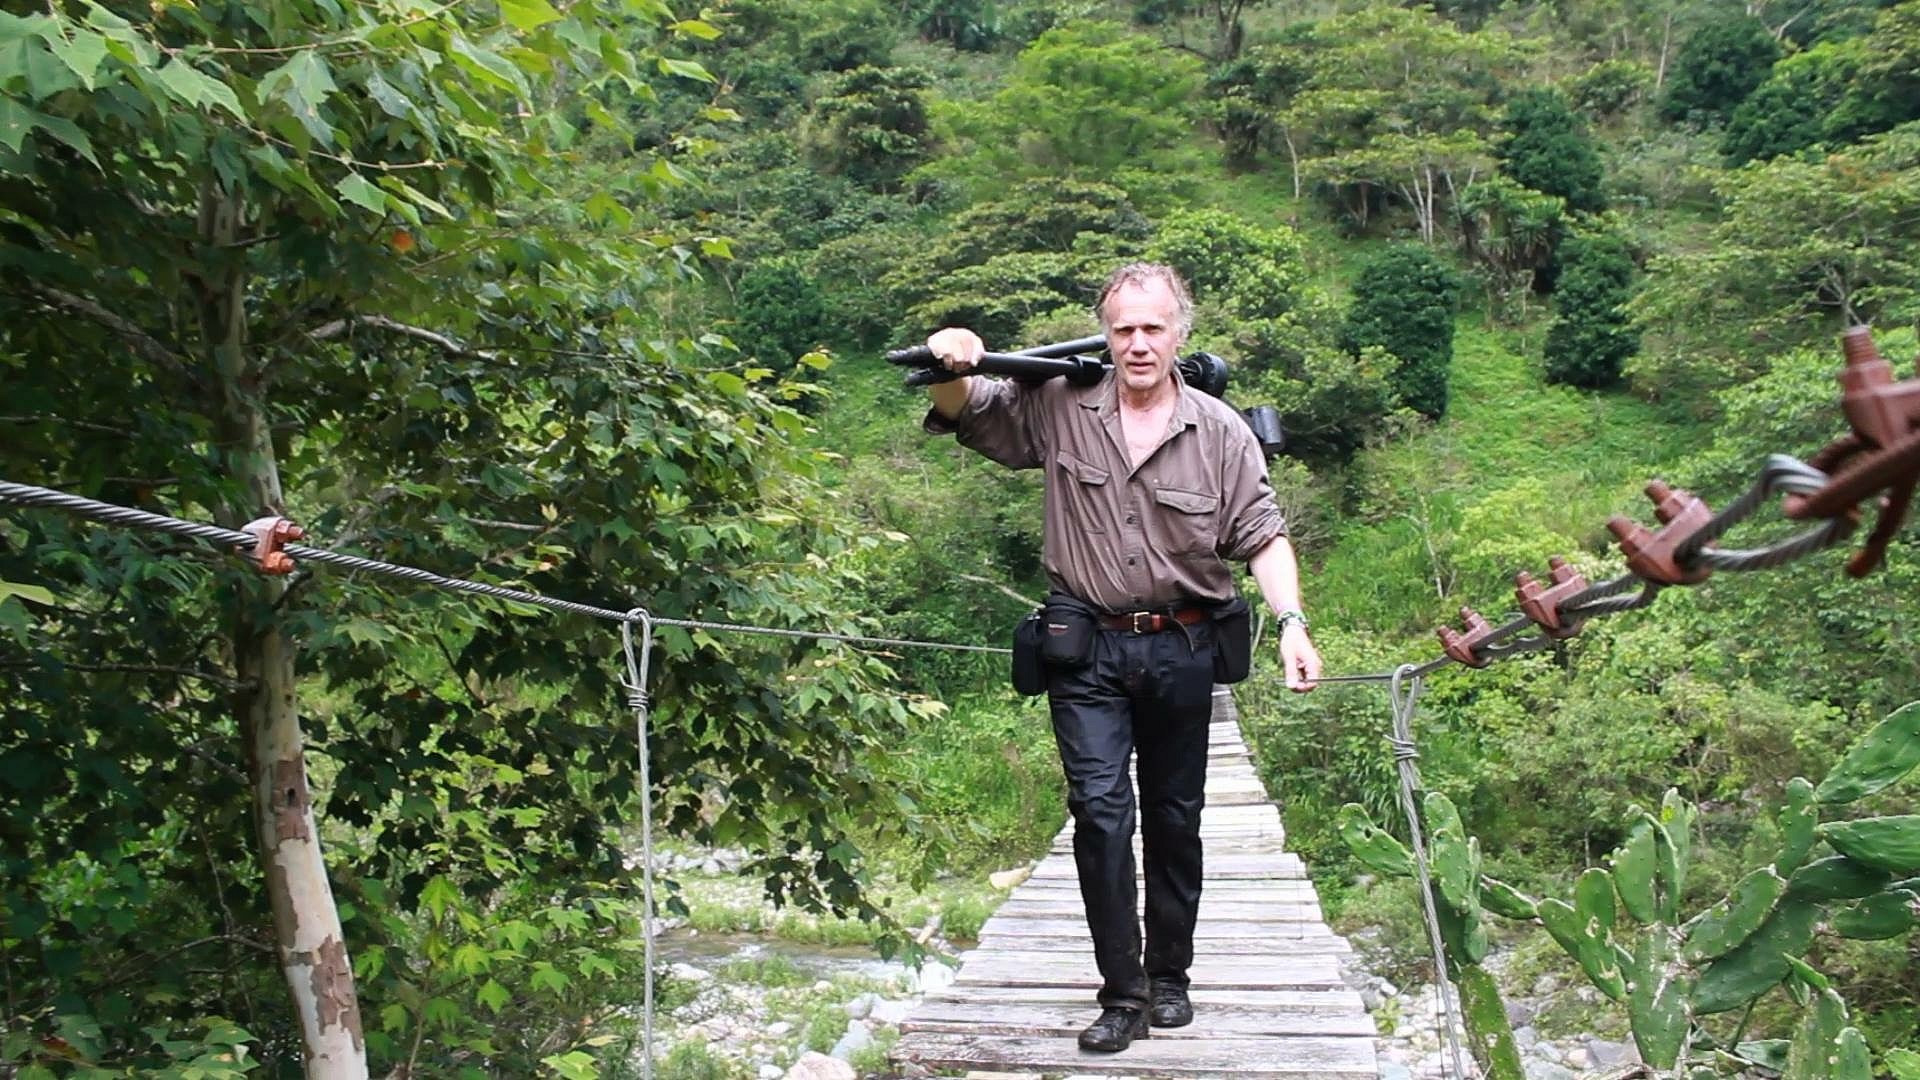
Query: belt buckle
point(1150, 627)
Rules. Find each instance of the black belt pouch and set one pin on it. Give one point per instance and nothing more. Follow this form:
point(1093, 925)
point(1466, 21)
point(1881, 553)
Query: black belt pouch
point(1029, 672)
point(1068, 629)
point(1232, 641)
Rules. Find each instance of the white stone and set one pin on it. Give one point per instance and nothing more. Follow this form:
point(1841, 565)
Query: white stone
point(821, 986)
point(1525, 1037)
point(856, 1039)
point(934, 977)
point(861, 1007)
point(689, 973)
point(1547, 1070)
point(778, 1028)
point(817, 1066)
point(1579, 1059)
point(771, 1072)
point(1007, 879)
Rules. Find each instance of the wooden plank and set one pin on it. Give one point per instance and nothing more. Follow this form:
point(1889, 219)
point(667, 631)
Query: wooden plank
point(1209, 909)
point(1064, 1020)
point(1324, 943)
point(1319, 1002)
point(1278, 865)
point(1302, 1057)
point(1062, 969)
point(1247, 886)
point(1206, 931)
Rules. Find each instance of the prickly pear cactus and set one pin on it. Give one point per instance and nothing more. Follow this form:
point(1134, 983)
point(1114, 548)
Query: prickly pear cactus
point(1624, 924)
point(1459, 890)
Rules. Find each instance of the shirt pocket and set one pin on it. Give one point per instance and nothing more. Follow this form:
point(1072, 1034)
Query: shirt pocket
point(1083, 494)
point(1185, 522)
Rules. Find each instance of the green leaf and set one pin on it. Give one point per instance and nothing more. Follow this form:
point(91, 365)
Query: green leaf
point(728, 383)
point(685, 69)
point(35, 593)
point(493, 995)
point(1903, 1064)
point(705, 31)
point(193, 86)
point(528, 14)
point(81, 53)
point(303, 84)
point(573, 1065)
point(362, 192)
point(488, 66)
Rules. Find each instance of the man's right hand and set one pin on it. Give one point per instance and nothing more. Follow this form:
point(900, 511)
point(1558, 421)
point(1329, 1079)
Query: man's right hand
point(957, 348)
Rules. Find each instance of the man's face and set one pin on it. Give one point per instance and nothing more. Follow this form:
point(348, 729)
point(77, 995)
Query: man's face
point(1143, 333)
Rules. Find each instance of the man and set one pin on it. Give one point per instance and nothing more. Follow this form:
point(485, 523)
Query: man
point(1150, 486)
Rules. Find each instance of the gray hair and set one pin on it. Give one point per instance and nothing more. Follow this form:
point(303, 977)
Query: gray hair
point(1139, 273)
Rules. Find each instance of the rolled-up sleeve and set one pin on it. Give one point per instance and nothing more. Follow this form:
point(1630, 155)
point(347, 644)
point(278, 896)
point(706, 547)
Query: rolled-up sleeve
point(1251, 518)
point(998, 421)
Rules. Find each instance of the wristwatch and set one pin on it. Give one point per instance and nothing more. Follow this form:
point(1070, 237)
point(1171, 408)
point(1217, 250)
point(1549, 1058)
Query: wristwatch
point(1290, 615)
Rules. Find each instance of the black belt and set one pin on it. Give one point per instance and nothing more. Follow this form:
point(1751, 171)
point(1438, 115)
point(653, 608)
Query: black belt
point(1152, 622)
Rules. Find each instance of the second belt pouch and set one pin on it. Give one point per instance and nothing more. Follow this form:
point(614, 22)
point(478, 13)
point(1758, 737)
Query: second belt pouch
point(1068, 629)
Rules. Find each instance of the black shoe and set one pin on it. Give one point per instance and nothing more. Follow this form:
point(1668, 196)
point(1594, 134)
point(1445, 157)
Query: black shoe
point(1115, 1030)
point(1171, 1006)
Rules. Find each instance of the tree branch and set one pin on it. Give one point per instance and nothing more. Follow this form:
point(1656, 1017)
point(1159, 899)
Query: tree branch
point(334, 329)
point(222, 681)
point(143, 343)
point(996, 585)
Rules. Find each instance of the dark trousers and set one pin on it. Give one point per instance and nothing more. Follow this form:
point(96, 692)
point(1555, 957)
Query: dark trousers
point(1152, 693)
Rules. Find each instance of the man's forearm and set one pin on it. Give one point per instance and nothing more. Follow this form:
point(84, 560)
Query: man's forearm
point(1278, 575)
point(949, 398)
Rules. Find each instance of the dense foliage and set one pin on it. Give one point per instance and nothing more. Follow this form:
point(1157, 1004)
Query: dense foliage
point(533, 294)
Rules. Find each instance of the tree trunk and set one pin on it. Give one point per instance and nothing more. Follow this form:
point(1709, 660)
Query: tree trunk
point(313, 953)
point(1666, 41)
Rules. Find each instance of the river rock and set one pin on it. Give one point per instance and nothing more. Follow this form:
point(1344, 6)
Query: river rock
point(778, 1028)
point(861, 1007)
point(1547, 1070)
point(856, 1039)
point(1007, 879)
point(1608, 1054)
point(814, 1065)
point(771, 1072)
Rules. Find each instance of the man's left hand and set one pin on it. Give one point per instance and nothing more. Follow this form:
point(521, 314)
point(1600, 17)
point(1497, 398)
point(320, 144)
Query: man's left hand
point(1298, 658)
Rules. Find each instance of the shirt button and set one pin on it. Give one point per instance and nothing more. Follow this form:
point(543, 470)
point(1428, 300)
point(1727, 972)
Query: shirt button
point(1131, 560)
point(1130, 519)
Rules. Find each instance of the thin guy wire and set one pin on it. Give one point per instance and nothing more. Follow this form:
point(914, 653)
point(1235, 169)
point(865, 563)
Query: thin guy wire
point(636, 686)
point(108, 513)
point(1405, 689)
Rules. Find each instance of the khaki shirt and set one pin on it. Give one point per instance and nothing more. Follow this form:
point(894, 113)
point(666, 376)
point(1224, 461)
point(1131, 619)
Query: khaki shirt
point(1119, 537)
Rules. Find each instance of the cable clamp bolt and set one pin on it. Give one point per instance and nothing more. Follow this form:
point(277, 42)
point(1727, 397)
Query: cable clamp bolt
point(1465, 647)
point(269, 535)
point(1541, 603)
point(1650, 551)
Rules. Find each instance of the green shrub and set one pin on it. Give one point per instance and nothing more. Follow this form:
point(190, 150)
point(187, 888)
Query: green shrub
point(1545, 147)
point(1717, 68)
point(1591, 337)
point(1403, 301)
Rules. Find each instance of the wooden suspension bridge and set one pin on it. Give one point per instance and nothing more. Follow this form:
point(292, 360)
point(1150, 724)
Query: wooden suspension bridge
point(1268, 999)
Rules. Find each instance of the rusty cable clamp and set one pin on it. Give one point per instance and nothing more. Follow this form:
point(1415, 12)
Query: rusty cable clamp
point(1651, 552)
point(1465, 648)
point(1882, 454)
point(1541, 603)
point(270, 536)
